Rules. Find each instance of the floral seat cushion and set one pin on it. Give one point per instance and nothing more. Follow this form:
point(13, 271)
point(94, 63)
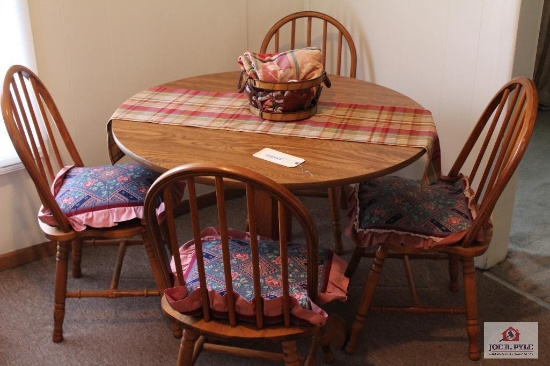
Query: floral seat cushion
point(186, 299)
point(100, 196)
point(398, 210)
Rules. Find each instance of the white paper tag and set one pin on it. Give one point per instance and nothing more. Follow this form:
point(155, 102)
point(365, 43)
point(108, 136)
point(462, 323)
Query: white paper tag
point(278, 157)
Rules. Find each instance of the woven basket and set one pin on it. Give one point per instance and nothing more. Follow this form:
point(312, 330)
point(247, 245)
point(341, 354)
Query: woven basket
point(283, 102)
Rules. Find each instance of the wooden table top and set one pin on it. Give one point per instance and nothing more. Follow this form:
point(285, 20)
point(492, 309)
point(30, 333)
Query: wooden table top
point(330, 162)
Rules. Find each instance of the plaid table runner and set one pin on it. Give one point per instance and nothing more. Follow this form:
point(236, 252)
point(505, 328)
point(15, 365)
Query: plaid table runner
point(375, 124)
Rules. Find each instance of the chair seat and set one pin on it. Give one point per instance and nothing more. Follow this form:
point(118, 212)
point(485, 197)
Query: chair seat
point(100, 196)
point(398, 210)
point(247, 331)
point(186, 299)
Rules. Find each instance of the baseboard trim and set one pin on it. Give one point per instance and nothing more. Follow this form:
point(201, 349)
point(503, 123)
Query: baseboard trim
point(26, 255)
point(47, 249)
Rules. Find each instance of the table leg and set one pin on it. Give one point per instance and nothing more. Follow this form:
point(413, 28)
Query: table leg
point(266, 216)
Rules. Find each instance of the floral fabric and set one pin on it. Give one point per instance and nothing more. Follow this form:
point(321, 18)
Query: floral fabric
point(398, 210)
point(100, 196)
point(186, 299)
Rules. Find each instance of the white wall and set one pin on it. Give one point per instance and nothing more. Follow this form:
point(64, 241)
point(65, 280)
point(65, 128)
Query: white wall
point(449, 56)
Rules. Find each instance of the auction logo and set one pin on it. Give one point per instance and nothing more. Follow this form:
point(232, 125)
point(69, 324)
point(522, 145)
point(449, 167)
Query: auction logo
point(511, 340)
point(510, 335)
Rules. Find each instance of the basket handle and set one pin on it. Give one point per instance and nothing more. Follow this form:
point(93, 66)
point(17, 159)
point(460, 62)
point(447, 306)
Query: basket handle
point(241, 85)
point(326, 79)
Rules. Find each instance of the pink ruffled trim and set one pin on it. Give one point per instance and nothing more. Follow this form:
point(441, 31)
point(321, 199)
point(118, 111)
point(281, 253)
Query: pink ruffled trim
point(371, 237)
point(190, 303)
point(101, 218)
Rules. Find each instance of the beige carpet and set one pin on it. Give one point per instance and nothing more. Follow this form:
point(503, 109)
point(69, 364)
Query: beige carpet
point(134, 332)
point(527, 265)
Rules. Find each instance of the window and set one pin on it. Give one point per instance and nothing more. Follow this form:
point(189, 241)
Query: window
point(17, 48)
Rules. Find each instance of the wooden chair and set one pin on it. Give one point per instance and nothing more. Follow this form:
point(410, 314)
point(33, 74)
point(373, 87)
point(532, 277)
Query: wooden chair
point(335, 53)
point(199, 281)
point(460, 228)
point(46, 149)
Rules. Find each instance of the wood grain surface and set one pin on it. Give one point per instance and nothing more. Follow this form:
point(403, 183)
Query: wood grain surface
point(330, 162)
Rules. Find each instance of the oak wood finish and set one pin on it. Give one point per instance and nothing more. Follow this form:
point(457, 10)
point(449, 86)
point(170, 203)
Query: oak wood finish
point(332, 163)
point(44, 145)
point(199, 331)
point(287, 34)
point(342, 48)
point(489, 158)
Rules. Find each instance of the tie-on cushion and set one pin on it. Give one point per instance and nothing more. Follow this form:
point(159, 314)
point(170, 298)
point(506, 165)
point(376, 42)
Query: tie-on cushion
point(100, 196)
point(397, 210)
point(186, 299)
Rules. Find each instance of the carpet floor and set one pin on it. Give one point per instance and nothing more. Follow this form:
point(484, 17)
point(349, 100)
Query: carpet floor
point(527, 265)
point(133, 331)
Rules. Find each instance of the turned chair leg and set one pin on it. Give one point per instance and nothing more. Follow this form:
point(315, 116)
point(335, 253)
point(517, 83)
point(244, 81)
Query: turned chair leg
point(315, 341)
point(161, 281)
point(76, 256)
point(328, 356)
point(177, 332)
point(60, 291)
point(187, 347)
point(410, 280)
point(470, 301)
point(453, 272)
point(291, 356)
point(366, 298)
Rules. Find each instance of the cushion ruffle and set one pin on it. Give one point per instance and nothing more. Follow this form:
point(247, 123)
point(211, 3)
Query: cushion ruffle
point(101, 196)
point(186, 299)
point(397, 210)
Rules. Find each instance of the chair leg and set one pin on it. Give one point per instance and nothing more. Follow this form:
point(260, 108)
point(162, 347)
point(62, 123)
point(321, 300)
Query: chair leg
point(410, 280)
point(316, 340)
point(187, 346)
point(453, 272)
point(354, 261)
point(470, 301)
point(291, 356)
point(118, 265)
point(177, 332)
point(334, 194)
point(366, 298)
point(321, 338)
point(60, 291)
point(76, 256)
point(161, 276)
point(199, 346)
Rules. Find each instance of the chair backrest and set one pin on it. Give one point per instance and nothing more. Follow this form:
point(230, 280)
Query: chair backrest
point(287, 207)
point(303, 29)
point(38, 134)
point(496, 145)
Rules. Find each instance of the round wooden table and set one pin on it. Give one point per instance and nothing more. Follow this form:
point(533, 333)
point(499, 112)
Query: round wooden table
point(330, 162)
